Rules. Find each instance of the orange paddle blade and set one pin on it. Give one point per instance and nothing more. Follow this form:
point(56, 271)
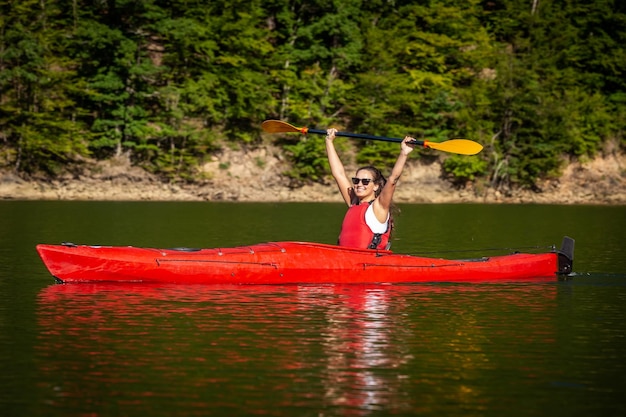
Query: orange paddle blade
point(277, 126)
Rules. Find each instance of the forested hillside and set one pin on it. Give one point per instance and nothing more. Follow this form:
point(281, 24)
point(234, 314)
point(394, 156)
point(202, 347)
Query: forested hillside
point(537, 82)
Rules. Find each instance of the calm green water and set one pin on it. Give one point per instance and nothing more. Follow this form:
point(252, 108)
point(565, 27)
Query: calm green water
point(532, 349)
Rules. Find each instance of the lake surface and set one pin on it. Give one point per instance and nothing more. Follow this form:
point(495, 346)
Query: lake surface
point(554, 348)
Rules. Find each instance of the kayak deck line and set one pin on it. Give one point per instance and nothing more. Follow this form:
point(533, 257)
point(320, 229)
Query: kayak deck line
point(217, 261)
point(291, 262)
point(411, 266)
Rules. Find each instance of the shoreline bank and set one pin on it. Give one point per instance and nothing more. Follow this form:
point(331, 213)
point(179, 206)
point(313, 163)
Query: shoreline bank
point(600, 181)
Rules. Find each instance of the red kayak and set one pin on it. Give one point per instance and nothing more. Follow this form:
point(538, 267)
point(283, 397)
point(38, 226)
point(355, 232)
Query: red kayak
point(291, 263)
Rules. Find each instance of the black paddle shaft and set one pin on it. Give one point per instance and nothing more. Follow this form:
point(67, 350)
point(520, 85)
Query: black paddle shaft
point(370, 137)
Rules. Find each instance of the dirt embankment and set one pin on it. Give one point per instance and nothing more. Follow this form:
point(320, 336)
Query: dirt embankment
point(255, 176)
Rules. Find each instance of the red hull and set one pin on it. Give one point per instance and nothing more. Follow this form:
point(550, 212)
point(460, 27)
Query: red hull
point(289, 263)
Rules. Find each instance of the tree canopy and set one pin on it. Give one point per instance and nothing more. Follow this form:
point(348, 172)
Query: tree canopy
point(166, 82)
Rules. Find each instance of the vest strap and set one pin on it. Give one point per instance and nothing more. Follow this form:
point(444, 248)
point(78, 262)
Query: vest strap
point(375, 241)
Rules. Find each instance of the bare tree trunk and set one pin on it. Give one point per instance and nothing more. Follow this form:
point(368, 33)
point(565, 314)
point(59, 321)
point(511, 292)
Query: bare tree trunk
point(118, 146)
point(74, 13)
point(285, 96)
point(284, 102)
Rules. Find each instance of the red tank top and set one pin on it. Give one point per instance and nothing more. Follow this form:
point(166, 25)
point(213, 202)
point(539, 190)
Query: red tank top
point(355, 233)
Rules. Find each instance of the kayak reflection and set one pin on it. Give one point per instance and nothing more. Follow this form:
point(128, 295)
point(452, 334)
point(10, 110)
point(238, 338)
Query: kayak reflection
point(134, 347)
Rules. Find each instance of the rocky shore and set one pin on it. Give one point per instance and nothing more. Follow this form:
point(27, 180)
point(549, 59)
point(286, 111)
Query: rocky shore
point(243, 178)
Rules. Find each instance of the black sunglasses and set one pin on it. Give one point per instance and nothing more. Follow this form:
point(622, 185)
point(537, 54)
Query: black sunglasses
point(365, 181)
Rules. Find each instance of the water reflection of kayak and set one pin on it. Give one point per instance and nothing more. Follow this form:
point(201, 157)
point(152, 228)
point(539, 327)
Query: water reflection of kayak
point(291, 263)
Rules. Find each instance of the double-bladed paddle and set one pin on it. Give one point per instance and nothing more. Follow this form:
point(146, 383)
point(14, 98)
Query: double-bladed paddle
point(460, 146)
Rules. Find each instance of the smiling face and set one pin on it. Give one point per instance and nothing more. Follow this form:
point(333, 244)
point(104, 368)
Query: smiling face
point(365, 192)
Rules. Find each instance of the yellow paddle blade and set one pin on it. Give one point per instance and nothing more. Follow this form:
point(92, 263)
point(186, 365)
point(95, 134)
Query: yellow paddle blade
point(277, 126)
point(460, 146)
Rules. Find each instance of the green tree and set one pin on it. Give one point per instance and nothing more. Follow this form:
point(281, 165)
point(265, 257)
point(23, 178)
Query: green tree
point(115, 73)
point(38, 118)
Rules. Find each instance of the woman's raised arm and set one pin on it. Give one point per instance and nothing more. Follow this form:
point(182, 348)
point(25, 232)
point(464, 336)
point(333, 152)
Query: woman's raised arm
point(337, 168)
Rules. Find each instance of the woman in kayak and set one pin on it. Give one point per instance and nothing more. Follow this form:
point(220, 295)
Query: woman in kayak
point(368, 222)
